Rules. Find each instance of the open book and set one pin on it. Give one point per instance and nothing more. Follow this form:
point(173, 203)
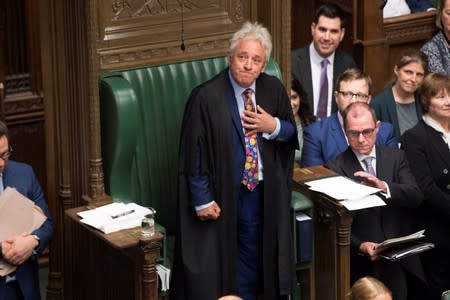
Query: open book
point(397, 248)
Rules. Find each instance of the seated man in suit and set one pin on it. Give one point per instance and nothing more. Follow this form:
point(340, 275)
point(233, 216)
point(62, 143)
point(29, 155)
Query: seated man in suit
point(324, 140)
point(317, 65)
point(22, 250)
point(385, 168)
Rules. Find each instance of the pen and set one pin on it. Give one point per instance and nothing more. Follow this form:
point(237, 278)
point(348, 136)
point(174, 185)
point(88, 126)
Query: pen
point(123, 214)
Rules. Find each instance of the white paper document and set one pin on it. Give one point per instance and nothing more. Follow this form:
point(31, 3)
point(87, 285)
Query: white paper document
point(164, 276)
point(365, 202)
point(352, 195)
point(114, 217)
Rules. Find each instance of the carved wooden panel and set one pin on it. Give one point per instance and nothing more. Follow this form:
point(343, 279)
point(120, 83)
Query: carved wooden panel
point(142, 32)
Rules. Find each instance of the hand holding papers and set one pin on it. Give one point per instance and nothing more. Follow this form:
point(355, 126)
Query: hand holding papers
point(396, 248)
point(18, 215)
point(352, 195)
point(114, 217)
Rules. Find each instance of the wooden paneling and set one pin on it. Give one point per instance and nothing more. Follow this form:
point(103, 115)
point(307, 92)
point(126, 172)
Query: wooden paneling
point(378, 41)
point(80, 39)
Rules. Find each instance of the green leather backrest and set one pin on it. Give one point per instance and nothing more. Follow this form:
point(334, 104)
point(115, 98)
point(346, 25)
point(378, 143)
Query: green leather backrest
point(141, 111)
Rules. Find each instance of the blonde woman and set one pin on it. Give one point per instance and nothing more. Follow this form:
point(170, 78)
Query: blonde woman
point(369, 288)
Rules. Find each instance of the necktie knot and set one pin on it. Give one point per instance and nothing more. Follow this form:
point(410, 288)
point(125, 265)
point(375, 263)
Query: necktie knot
point(248, 103)
point(324, 63)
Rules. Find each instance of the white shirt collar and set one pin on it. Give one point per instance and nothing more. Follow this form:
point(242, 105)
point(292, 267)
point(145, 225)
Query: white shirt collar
point(361, 157)
point(317, 58)
point(238, 90)
point(435, 125)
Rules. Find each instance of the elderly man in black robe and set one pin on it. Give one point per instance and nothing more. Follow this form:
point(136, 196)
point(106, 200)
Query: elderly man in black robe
point(235, 169)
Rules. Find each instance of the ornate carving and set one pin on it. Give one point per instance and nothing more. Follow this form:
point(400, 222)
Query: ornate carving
point(238, 15)
point(409, 27)
point(18, 103)
point(126, 55)
point(408, 32)
point(18, 83)
point(123, 9)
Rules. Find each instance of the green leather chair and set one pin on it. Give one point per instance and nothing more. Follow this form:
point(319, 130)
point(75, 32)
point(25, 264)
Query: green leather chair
point(141, 112)
point(445, 295)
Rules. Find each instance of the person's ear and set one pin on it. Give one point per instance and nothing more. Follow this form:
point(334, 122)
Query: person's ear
point(342, 35)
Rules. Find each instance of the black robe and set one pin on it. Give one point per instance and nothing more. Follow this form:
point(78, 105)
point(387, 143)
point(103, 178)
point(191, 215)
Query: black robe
point(205, 263)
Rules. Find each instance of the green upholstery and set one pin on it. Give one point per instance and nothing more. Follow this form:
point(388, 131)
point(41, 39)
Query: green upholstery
point(446, 295)
point(141, 112)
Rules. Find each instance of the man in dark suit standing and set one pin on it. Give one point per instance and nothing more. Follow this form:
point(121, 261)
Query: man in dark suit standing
point(387, 169)
point(327, 30)
point(235, 168)
point(22, 250)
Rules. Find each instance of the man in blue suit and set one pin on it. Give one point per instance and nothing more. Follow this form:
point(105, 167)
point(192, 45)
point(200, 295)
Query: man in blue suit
point(234, 237)
point(22, 250)
point(325, 139)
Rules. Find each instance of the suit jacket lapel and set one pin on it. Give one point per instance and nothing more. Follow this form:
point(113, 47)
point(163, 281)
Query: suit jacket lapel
point(383, 169)
point(438, 143)
point(337, 133)
point(237, 123)
point(305, 62)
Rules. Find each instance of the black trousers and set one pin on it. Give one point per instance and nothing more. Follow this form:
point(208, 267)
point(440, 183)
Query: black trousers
point(436, 263)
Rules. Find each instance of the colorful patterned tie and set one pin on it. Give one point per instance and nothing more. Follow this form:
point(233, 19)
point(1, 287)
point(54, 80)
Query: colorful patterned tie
point(250, 178)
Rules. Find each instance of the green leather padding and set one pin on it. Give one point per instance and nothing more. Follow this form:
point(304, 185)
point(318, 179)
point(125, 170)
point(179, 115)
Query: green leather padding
point(141, 111)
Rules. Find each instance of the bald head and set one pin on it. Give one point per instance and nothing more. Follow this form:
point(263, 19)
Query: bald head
point(361, 127)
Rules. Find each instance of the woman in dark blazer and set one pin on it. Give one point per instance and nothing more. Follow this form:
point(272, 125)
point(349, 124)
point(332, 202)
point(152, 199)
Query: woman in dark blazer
point(427, 147)
point(399, 103)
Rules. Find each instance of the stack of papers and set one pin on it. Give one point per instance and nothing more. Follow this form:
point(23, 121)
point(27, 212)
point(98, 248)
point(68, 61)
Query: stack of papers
point(164, 276)
point(18, 215)
point(114, 217)
point(351, 194)
point(397, 248)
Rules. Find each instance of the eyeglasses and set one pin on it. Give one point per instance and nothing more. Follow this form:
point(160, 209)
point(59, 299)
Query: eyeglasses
point(7, 154)
point(350, 95)
point(355, 134)
point(243, 58)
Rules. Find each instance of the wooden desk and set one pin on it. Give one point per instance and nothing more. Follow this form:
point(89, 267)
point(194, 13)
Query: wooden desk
point(130, 259)
point(332, 225)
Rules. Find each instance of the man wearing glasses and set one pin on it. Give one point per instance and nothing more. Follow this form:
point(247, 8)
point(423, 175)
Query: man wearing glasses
point(24, 249)
point(325, 139)
point(385, 168)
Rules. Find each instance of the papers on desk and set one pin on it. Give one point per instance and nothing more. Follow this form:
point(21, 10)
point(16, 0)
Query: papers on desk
point(114, 217)
point(18, 215)
point(351, 194)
